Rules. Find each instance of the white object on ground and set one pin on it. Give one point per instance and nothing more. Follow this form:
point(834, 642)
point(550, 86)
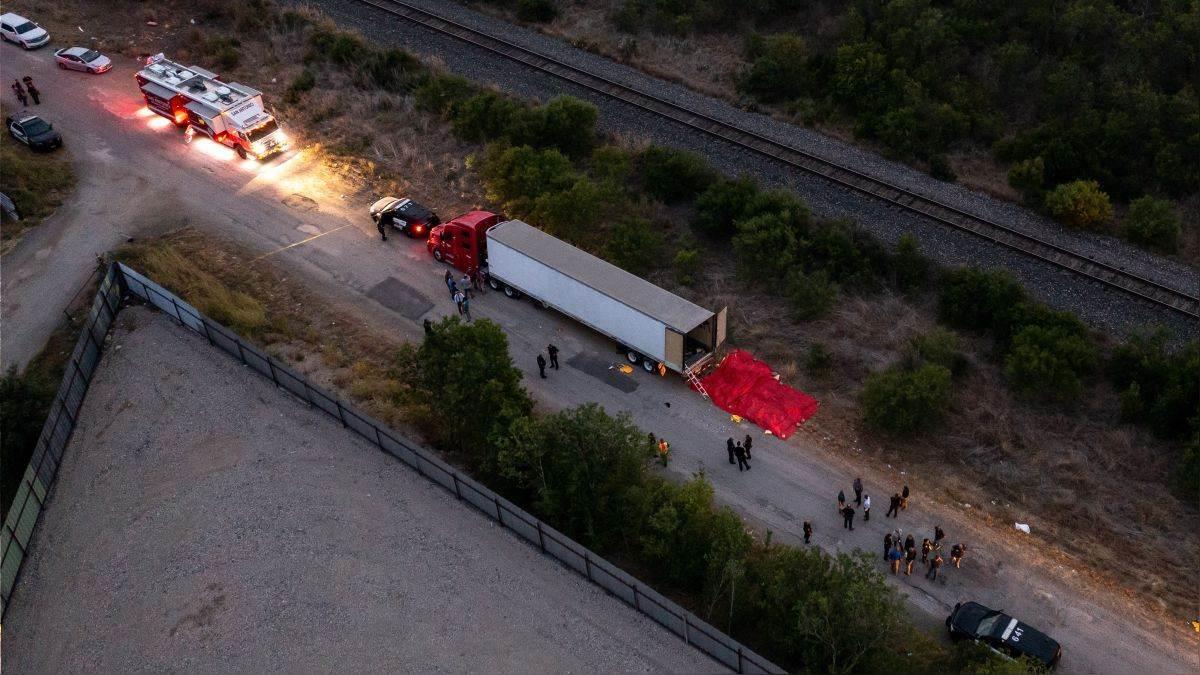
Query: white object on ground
point(1022, 527)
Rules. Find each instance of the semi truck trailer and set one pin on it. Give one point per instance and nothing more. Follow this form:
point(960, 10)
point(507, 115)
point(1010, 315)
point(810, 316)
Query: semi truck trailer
point(651, 326)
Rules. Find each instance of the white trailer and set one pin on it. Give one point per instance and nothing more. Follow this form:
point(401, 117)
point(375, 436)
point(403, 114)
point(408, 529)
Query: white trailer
point(650, 325)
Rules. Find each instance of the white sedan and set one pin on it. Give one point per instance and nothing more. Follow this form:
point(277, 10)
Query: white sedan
point(82, 58)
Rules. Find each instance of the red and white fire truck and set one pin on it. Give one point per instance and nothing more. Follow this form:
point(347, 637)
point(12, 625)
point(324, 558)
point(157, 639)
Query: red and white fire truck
point(196, 99)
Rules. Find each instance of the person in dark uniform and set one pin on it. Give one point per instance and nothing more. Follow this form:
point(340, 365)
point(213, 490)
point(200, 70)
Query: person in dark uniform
point(740, 453)
point(729, 447)
point(382, 225)
point(553, 356)
point(450, 284)
point(904, 499)
point(848, 517)
point(858, 488)
point(807, 531)
point(541, 361)
point(938, 535)
point(20, 92)
point(910, 557)
point(887, 544)
point(428, 327)
point(746, 445)
point(894, 507)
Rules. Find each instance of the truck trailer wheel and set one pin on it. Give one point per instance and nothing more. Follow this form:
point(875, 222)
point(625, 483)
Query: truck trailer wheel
point(648, 365)
point(511, 292)
point(493, 284)
point(633, 357)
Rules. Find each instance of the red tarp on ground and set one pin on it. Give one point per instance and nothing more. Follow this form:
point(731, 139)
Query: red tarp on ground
point(744, 386)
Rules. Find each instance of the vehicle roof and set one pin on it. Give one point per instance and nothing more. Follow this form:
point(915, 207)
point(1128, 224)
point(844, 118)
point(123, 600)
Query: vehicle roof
point(11, 16)
point(630, 289)
point(75, 51)
point(473, 218)
point(23, 120)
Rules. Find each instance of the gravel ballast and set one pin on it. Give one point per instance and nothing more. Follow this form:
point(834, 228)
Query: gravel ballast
point(204, 520)
point(1097, 304)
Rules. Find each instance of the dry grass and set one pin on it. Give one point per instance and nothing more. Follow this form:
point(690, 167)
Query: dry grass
point(38, 183)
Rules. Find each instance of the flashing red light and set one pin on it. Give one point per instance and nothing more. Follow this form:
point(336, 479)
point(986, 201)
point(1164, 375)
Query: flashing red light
point(418, 229)
point(180, 116)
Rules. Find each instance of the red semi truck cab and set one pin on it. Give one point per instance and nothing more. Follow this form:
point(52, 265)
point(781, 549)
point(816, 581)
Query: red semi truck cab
point(462, 242)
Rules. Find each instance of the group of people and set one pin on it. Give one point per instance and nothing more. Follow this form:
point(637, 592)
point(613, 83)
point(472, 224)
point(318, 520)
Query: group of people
point(462, 290)
point(541, 361)
point(33, 92)
point(739, 452)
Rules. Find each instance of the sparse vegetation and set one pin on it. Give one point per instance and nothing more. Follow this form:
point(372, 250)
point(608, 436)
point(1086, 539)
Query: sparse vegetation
point(36, 183)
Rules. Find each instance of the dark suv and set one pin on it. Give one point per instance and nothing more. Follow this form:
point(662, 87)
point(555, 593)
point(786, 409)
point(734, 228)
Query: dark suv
point(1001, 632)
point(405, 215)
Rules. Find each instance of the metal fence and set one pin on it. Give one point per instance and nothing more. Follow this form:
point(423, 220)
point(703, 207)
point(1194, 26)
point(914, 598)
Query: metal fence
point(30, 496)
point(599, 571)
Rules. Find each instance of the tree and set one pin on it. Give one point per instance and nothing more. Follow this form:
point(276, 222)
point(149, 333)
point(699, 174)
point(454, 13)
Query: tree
point(1152, 222)
point(765, 247)
point(573, 214)
point(584, 470)
point(687, 265)
point(1049, 362)
point(776, 70)
point(902, 402)
point(569, 125)
point(980, 300)
point(465, 371)
point(516, 177)
point(720, 207)
point(1080, 204)
point(635, 245)
point(484, 117)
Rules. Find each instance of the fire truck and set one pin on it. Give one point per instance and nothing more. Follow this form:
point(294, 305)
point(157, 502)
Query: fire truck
point(198, 101)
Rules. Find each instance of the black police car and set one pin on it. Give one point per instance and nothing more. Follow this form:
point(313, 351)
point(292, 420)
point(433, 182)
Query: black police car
point(1001, 632)
point(405, 215)
point(34, 131)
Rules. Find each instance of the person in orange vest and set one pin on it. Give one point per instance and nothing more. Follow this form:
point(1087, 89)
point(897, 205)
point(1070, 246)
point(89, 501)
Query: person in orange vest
point(663, 450)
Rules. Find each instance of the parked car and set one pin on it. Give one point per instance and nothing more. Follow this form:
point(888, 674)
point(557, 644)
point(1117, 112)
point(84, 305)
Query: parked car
point(34, 131)
point(405, 215)
point(19, 30)
point(1004, 634)
point(82, 59)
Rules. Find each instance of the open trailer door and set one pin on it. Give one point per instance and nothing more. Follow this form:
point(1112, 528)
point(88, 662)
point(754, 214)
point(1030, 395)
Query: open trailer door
point(719, 327)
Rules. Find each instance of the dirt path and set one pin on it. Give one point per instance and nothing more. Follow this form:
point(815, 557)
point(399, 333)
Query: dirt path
point(136, 179)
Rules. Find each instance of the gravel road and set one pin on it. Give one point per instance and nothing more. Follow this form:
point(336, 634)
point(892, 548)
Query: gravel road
point(791, 481)
point(1097, 304)
point(205, 521)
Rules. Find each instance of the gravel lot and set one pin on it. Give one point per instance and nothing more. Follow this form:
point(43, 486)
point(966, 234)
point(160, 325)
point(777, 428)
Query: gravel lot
point(203, 521)
point(1097, 304)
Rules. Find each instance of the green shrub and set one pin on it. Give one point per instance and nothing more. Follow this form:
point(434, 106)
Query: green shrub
point(304, 82)
point(720, 207)
point(568, 124)
point(902, 402)
point(1152, 222)
point(939, 347)
point(1029, 178)
point(1049, 362)
point(980, 300)
point(516, 177)
point(765, 247)
point(1080, 204)
point(1160, 388)
point(336, 46)
point(782, 203)
point(810, 296)
point(635, 245)
point(611, 163)
point(674, 175)
point(24, 403)
point(442, 93)
point(687, 265)
point(776, 71)
point(835, 247)
point(1186, 475)
point(466, 367)
point(818, 360)
point(486, 116)
point(939, 168)
point(536, 11)
point(391, 70)
point(910, 269)
point(573, 214)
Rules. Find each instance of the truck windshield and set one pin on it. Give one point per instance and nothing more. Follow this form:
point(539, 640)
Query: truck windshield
point(260, 132)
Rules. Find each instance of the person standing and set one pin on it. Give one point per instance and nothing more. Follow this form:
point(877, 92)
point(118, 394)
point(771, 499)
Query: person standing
point(746, 445)
point(464, 285)
point(848, 517)
point(458, 301)
point(466, 305)
point(740, 453)
point(841, 500)
point(858, 487)
point(34, 92)
point(887, 544)
point(553, 351)
point(894, 557)
point(904, 499)
point(934, 566)
point(894, 507)
point(428, 326)
point(477, 280)
point(910, 557)
point(909, 542)
point(382, 227)
point(807, 531)
point(956, 554)
point(926, 547)
point(866, 508)
point(938, 535)
point(541, 361)
point(450, 284)
point(664, 449)
point(20, 92)
point(729, 447)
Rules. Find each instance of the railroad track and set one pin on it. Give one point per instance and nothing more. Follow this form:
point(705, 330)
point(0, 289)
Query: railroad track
point(1030, 245)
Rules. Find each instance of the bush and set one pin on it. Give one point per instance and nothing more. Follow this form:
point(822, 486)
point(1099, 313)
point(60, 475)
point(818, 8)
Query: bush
point(902, 402)
point(516, 177)
point(336, 46)
point(818, 360)
point(939, 168)
point(687, 265)
point(720, 207)
point(485, 117)
point(582, 469)
point(568, 124)
point(980, 300)
point(391, 70)
point(611, 164)
point(1049, 363)
point(536, 11)
point(1161, 389)
point(635, 245)
point(674, 175)
point(910, 269)
point(939, 347)
point(441, 94)
point(1029, 178)
point(765, 247)
point(1186, 476)
point(304, 82)
point(573, 214)
point(776, 71)
point(836, 248)
point(466, 371)
point(1152, 222)
point(24, 403)
point(1080, 204)
point(810, 296)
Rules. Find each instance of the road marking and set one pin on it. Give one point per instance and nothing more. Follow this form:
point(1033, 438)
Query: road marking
point(302, 241)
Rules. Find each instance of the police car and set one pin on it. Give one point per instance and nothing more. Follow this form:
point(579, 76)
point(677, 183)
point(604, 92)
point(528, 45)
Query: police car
point(1001, 632)
point(405, 215)
point(33, 131)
